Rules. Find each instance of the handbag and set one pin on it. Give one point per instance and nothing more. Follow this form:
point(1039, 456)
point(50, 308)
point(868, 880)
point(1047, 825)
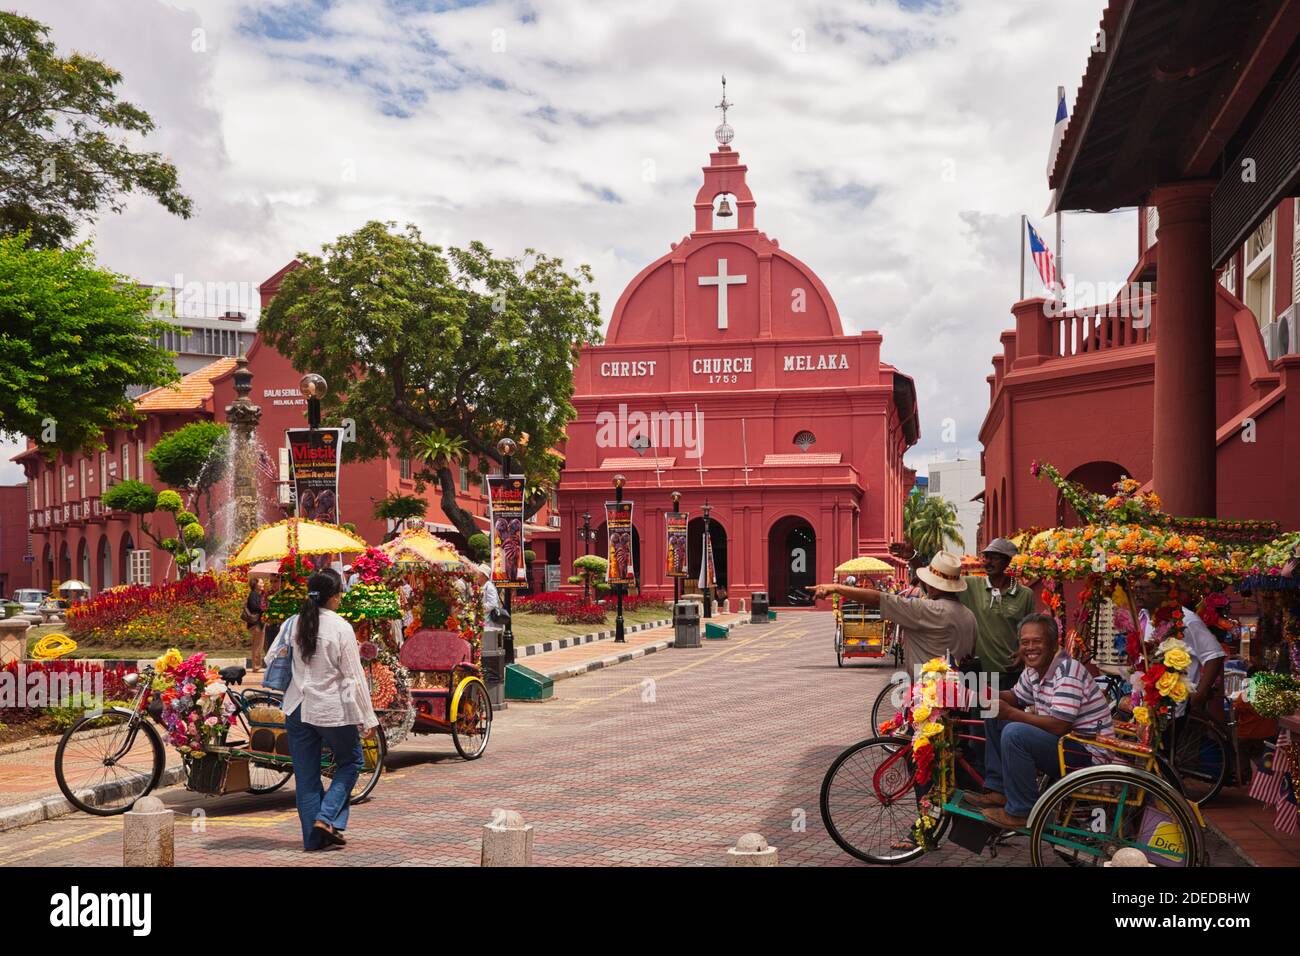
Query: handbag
point(279, 659)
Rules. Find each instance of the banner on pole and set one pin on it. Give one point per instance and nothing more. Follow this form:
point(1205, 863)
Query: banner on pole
point(314, 464)
point(506, 513)
point(618, 540)
point(708, 572)
point(675, 523)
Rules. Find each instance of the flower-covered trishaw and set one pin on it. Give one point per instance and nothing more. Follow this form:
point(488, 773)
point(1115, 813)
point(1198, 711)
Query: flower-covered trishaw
point(891, 798)
point(860, 632)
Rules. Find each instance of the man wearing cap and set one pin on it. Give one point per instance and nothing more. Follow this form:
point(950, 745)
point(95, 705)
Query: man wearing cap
point(935, 625)
point(999, 604)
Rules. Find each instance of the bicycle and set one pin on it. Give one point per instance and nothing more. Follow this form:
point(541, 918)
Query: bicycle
point(105, 762)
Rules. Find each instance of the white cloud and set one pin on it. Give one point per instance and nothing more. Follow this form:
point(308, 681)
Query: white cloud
point(891, 149)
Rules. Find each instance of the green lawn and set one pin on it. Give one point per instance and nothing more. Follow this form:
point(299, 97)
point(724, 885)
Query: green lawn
point(535, 628)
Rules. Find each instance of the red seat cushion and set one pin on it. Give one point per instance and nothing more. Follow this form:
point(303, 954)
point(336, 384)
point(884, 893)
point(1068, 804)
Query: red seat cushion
point(430, 650)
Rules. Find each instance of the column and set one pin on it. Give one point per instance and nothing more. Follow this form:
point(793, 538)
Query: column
point(1184, 444)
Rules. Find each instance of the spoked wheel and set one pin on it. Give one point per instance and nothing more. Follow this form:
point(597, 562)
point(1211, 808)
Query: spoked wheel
point(116, 757)
point(374, 748)
point(1200, 759)
point(839, 646)
point(869, 802)
point(891, 699)
point(1085, 817)
point(473, 724)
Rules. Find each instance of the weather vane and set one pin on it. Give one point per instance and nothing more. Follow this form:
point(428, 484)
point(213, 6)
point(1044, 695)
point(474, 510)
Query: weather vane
point(724, 132)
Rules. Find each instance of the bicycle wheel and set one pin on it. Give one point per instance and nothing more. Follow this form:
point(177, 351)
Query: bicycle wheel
point(839, 644)
point(889, 702)
point(473, 724)
point(1200, 759)
point(1088, 815)
point(374, 748)
point(117, 756)
point(869, 802)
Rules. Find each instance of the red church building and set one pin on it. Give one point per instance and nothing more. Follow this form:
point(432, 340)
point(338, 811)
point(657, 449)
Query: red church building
point(727, 375)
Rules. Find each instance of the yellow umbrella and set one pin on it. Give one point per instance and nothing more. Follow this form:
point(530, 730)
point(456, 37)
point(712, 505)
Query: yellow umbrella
point(423, 547)
point(274, 541)
point(864, 565)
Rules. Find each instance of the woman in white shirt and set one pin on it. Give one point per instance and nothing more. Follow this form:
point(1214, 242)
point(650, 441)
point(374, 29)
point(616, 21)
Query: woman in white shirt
point(327, 704)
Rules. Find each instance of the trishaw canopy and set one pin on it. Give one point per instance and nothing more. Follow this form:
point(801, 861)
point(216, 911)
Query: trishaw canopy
point(864, 564)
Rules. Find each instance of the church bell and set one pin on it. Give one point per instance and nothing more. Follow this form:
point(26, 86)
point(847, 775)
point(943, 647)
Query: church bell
point(724, 209)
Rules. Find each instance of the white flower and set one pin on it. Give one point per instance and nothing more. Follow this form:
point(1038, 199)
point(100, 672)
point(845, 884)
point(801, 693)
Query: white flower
point(216, 689)
point(1169, 644)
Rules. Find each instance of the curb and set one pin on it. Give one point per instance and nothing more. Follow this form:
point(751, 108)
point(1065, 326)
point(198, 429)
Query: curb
point(532, 650)
point(614, 660)
point(47, 808)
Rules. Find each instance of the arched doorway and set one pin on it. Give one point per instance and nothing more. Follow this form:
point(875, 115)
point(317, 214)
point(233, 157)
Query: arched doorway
point(1098, 477)
point(83, 563)
point(124, 557)
point(791, 562)
point(65, 563)
point(695, 552)
point(105, 561)
point(601, 547)
point(47, 568)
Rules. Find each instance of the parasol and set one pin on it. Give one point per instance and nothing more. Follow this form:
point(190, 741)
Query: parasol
point(864, 565)
point(264, 569)
point(73, 586)
point(275, 541)
point(419, 546)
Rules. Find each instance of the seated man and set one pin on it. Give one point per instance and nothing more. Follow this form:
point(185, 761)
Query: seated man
point(1021, 743)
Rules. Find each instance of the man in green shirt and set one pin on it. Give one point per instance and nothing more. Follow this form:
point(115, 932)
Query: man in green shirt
point(999, 604)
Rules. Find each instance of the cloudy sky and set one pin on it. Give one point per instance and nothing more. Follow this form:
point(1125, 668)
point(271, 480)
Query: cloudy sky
point(892, 144)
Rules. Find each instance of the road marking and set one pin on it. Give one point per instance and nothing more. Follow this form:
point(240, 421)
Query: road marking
point(60, 844)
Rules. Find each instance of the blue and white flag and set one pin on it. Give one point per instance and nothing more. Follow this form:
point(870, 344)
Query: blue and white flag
point(1058, 134)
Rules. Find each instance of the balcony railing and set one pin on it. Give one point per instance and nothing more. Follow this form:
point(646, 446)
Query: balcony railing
point(74, 512)
point(92, 509)
point(1118, 326)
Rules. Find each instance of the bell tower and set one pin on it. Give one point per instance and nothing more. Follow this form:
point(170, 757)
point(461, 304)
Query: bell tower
point(724, 176)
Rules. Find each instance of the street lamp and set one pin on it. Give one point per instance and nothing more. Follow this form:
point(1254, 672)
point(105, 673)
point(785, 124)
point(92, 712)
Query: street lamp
point(586, 534)
point(313, 388)
point(506, 448)
point(704, 559)
point(677, 581)
point(619, 589)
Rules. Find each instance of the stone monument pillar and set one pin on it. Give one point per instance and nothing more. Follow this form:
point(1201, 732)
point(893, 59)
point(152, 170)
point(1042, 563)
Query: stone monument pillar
point(243, 416)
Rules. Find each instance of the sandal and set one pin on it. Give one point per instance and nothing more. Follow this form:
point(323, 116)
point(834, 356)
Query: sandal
point(330, 834)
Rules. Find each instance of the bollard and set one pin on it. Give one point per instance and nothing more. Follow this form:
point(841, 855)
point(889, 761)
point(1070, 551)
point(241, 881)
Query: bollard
point(1128, 856)
point(751, 850)
point(13, 640)
point(507, 840)
point(148, 834)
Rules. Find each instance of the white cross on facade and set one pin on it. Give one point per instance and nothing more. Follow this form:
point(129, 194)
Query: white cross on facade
point(722, 280)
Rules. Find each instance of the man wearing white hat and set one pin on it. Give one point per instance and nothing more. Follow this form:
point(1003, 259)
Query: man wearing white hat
point(935, 625)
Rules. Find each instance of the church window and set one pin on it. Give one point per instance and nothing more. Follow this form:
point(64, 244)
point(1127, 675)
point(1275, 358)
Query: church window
point(805, 440)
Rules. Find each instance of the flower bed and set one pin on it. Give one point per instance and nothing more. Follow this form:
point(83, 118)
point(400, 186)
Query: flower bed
point(581, 614)
point(82, 673)
point(205, 613)
point(547, 602)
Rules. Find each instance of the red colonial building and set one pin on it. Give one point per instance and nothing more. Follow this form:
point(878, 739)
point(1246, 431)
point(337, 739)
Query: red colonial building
point(1190, 380)
point(726, 374)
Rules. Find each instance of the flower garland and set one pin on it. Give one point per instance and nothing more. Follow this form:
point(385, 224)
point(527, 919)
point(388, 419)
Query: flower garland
point(369, 602)
point(371, 566)
point(440, 598)
point(933, 696)
point(390, 691)
point(1159, 686)
point(196, 710)
point(1273, 695)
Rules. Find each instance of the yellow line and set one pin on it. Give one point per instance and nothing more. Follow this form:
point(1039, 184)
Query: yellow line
point(59, 844)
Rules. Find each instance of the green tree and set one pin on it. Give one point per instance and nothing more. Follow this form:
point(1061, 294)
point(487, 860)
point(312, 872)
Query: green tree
point(194, 457)
point(73, 338)
point(399, 507)
point(592, 569)
point(139, 498)
point(930, 523)
point(479, 546)
point(426, 343)
point(64, 140)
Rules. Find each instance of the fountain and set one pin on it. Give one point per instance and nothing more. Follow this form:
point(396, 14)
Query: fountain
point(244, 416)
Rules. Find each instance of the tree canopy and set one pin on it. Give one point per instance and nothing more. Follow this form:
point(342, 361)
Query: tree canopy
point(438, 353)
point(64, 140)
point(192, 456)
point(929, 523)
point(73, 338)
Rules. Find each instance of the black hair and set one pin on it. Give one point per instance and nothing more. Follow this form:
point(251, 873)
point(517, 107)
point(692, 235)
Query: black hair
point(1047, 621)
point(321, 586)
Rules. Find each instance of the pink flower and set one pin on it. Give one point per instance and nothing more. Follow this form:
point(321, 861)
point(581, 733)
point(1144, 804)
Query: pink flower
point(211, 721)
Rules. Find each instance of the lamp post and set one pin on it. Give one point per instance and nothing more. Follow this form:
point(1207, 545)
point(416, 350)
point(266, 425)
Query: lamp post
point(677, 581)
point(587, 534)
point(704, 562)
point(507, 448)
point(619, 589)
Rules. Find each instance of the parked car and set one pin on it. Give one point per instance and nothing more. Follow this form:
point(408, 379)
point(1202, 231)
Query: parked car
point(31, 599)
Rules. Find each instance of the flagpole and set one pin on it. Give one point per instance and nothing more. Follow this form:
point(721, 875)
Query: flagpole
point(1060, 249)
point(1023, 224)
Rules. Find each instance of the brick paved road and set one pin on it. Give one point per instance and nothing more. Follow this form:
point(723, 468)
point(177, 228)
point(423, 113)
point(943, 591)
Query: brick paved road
point(663, 760)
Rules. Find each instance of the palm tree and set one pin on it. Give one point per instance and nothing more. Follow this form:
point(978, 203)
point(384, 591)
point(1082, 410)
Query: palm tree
point(439, 448)
point(930, 523)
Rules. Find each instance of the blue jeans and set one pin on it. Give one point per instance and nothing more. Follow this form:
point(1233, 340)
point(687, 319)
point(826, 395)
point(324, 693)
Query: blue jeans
point(314, 802)
point(1015, 753)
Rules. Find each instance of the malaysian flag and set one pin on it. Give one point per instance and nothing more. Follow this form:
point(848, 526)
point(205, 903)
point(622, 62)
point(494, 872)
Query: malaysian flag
point(1043, 260)
point(1285, 820)
point(1265, 785)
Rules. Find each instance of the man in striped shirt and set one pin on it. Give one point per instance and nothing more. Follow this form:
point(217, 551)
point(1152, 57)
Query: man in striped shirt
point(1022, 742)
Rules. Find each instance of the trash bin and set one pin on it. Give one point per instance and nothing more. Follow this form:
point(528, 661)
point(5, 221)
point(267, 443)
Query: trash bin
point(686, 631)
point(494, 665)
point(758, 609)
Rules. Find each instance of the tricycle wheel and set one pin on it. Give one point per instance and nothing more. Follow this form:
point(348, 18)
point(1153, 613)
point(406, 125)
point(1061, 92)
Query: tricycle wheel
point(473, 724)
point(374, 748)
point(839, 645)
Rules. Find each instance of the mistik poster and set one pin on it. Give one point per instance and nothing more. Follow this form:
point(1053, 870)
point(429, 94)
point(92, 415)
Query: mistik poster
point(506, 512)
point(314, 460)
point(618, 536)
point(675, 523)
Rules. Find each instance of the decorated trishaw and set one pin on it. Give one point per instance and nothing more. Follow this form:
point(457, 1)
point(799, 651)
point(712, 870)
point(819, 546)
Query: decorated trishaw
point(860, 632)
point(1127, 803)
